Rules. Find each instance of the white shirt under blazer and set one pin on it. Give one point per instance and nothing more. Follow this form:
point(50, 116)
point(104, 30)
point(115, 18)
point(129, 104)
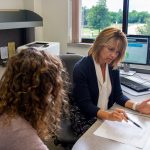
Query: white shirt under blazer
point(104, 86)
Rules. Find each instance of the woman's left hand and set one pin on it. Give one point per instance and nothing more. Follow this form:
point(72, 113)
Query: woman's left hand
point(144, 107)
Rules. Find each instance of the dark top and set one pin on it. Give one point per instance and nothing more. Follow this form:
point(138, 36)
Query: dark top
point(85, 87)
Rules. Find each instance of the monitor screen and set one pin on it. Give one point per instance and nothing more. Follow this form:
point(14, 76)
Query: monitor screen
point(137, 50)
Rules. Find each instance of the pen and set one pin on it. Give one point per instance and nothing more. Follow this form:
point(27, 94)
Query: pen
point(134, 123)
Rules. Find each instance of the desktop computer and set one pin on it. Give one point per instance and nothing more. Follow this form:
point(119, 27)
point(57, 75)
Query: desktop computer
point(137, 52)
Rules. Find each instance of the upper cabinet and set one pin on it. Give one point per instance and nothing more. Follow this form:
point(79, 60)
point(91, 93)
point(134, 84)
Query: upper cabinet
point(13, 19)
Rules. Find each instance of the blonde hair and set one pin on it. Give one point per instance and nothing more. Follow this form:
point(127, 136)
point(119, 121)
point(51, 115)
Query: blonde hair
point(33, 88)
point(104, 38)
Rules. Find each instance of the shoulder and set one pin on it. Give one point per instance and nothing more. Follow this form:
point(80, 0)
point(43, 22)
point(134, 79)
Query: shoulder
point(84, 64)
point(19, 133)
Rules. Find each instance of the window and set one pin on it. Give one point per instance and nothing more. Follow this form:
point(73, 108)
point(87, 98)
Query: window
point(99, 14)
point(139, 17)
point(132, 16)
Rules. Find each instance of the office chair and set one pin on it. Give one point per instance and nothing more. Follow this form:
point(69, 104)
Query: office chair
point(66, 138)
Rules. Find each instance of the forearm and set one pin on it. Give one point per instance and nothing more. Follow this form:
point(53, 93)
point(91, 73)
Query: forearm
point(142, 107)
point(104, 115)
point(129, 104)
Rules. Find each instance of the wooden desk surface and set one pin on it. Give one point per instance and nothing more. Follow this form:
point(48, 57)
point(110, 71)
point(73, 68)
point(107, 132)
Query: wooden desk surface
point(91, 142)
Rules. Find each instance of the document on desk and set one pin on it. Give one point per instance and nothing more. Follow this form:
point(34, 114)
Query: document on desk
point(124, 132)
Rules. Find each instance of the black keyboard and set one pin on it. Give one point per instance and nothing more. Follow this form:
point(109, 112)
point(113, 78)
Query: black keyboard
point(133, 85)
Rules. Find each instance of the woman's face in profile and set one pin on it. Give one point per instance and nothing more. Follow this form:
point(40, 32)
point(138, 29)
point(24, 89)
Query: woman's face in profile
point(109, 52)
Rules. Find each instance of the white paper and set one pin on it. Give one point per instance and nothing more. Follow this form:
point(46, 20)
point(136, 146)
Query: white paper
point(124, 132)
point(4, 52)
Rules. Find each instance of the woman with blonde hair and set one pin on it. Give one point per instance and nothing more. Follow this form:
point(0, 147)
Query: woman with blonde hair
point(32, 96)
point(97, 83)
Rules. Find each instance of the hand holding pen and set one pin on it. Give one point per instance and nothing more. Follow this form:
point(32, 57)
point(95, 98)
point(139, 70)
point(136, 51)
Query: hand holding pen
point(117, 115)
point(120, 115)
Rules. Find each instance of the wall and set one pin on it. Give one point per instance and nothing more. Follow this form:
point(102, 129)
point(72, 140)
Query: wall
point(38, 10)
point(56, 19)
point(36, 6)
point(29, 4)
point(11, 4)
point(55, 14)
point(33, 5)
point(57, 24)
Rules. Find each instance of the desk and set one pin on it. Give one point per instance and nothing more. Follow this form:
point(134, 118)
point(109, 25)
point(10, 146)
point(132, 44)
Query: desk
point(91, 142)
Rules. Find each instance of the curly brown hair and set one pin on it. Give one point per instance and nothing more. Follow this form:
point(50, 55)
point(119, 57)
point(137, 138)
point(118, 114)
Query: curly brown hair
point(32, 87)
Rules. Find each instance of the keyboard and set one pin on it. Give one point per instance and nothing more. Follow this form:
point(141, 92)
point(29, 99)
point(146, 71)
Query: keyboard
point(133, 85)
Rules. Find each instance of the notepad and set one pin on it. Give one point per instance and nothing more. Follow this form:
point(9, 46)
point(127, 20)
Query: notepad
point(124, 132)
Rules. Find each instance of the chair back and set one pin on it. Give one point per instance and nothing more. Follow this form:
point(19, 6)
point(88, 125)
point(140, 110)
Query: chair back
point(69, 60)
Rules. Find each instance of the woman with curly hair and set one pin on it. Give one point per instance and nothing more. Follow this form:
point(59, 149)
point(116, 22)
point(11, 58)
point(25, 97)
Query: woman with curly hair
point(32, 96)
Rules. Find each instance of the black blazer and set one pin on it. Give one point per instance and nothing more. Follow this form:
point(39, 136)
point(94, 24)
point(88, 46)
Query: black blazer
point(85, 87)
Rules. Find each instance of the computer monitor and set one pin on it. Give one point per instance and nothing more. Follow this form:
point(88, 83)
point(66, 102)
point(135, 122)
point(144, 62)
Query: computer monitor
point(137, 51)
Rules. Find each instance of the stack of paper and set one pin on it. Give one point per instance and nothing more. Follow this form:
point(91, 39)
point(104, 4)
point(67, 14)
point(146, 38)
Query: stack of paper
point(4, 52)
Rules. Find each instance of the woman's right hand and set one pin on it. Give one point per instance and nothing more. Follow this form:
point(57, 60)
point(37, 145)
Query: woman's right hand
point(116, 115)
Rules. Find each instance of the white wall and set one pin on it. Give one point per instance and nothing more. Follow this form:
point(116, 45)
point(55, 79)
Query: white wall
point(55, 14)
point(36, 6)
point(11, 4)
point(57, 22)
point(38, 30)
point(29, 4)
